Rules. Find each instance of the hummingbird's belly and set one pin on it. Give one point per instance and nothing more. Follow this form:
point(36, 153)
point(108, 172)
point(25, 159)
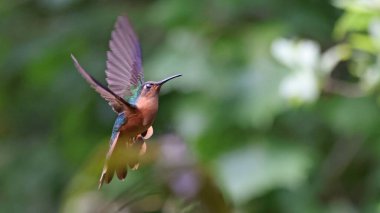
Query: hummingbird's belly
point(136, 125)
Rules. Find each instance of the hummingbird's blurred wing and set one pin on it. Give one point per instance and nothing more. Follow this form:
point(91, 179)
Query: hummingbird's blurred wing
point(118, 104)
point(124, 71)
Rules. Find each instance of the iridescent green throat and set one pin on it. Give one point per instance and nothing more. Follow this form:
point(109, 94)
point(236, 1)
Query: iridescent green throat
point(135, 91)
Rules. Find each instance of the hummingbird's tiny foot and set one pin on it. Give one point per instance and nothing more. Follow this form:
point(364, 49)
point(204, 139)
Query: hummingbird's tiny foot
point(135, 167)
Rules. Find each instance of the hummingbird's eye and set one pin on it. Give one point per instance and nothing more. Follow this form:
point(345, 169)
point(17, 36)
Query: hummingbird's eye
point(148, 86)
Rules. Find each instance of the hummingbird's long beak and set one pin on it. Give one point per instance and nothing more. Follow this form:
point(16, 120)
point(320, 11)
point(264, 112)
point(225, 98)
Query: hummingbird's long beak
point(168, 79)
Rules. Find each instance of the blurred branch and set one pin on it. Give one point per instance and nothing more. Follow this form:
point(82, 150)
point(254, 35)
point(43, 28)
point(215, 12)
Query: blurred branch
point(135, 199)
point(139, 190)
point(343, 88)
point(339, 158)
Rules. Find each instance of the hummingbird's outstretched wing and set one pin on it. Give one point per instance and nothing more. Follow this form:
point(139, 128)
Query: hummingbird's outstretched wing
point(118, 104)
point(124, 71)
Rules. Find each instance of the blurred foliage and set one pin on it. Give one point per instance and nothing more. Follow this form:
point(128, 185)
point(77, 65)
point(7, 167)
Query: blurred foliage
point(277, 111)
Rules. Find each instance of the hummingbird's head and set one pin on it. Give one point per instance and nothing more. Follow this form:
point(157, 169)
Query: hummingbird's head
point(152, 88)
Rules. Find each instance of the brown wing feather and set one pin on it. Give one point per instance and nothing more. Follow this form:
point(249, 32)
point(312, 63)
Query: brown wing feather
point(117, 103)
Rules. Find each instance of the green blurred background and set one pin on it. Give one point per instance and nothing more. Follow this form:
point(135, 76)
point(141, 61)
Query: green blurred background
point(277, 110)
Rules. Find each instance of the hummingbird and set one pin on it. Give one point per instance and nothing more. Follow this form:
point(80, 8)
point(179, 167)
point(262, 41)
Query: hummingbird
point(134, 101)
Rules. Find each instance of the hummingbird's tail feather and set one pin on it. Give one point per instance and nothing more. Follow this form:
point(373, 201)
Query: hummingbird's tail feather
point(139, 148)
point(114, 155)
point(121, 164)
point(115, 163)
point(107, 174)
point(122, 171)
point(123, 152)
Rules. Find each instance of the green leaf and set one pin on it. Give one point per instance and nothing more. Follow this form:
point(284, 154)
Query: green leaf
point(256, 169)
